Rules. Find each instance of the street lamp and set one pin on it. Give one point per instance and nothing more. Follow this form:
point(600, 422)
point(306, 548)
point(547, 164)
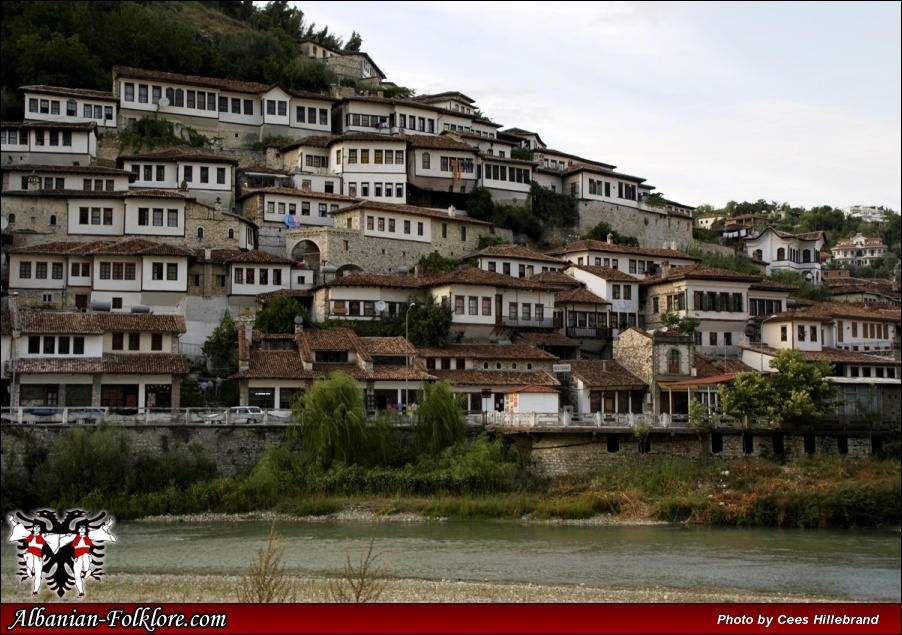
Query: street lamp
point(407, 357)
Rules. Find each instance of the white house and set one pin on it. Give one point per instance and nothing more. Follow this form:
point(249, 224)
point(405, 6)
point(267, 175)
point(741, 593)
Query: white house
point(516, 260)
point(71, 105)
point(858, 250)
point(636, 261)
point(48, 143)
point(783, 251)
point(208, 177)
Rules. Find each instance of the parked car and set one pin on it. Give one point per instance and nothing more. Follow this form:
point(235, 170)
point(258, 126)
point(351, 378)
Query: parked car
point(237, 414)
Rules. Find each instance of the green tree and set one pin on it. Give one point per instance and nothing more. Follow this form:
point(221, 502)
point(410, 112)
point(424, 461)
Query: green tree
point(524, 154)
point(802, 393)
point(440, 421)
point(278, 315)
point(334, 424)
point(436, 263)
point(221, 348)
point(558, 210)
point(480, 205)
point(750, 395)
point(682, 323)
point(429, 323)
point(354, 42)
point(601, 231)
point(490, 241)
point(806, 289)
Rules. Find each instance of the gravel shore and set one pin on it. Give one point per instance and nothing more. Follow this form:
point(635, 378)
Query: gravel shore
point(217, 588)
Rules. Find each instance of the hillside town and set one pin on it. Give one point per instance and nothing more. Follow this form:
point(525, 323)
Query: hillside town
point(120, 261)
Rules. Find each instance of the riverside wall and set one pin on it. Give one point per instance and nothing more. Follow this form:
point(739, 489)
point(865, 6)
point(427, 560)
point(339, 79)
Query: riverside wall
point(236, 448)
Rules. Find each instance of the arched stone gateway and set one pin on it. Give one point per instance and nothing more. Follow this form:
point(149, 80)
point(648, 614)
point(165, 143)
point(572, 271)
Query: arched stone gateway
point(308, 252)
point(346, 270)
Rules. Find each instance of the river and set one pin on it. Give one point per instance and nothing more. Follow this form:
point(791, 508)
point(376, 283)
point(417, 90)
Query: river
point(862, 565)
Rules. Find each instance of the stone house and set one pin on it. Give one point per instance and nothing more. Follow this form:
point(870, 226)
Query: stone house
point(657, 357)
point(110, 360)
point(605, 386)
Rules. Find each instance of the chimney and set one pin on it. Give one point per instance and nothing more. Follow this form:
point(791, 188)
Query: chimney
point(34, 183)
point(604, 365)
point(218, 204)
point(665, 268)
point(208, 254)
point(451, 211)
point(610, 238)
point(673, 245)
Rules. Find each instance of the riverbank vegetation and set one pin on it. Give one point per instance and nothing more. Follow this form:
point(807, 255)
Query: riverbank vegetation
point(482, 479)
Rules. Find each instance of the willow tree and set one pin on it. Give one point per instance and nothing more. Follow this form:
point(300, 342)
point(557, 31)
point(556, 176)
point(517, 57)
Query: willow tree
point(440, 421)
point(334, 424)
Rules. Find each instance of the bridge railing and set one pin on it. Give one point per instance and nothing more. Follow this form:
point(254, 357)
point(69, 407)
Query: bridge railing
point(612, 420)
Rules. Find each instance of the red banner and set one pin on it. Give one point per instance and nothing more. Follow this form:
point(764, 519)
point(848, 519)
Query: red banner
point(451, 618)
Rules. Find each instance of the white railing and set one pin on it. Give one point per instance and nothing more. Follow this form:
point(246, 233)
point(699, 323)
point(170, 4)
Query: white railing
point(611, 420)
point(57, 415)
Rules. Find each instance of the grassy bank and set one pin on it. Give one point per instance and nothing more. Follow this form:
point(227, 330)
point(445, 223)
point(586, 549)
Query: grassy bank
point(94, 469)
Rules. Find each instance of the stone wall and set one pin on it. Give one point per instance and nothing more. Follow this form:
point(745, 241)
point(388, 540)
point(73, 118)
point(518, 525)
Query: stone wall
point(650, 228)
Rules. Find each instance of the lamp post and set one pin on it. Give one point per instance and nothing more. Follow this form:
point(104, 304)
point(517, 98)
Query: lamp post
point(407, 356)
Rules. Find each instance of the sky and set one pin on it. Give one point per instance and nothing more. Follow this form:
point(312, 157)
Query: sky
point(794, 102)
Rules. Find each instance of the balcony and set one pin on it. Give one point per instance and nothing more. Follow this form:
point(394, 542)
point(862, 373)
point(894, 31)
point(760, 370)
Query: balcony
point(514, 322)
point(589, 333)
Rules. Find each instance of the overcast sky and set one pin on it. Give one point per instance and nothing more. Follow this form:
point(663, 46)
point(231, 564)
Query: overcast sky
point(792, 102)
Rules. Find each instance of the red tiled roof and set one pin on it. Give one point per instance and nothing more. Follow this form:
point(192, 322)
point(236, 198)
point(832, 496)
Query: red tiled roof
point(580, 295)
point(600, 245)
point(69, 92)
point(487, 351)
point(698, 272)
point(95, 323)
point(556, 279)
point(531, 389)
point(174, 154)
point(256, 256)
point(604, 374)
point(428, 142)
point(195, 80)
point(606, 273)
point(546, 339)
point(516, 251)
point(388, 280)
point(488, 378)
point(387, 346)
point(65, 169)
point(137, 364)
point(290, 191)
point(474, 276)
point(409, 209)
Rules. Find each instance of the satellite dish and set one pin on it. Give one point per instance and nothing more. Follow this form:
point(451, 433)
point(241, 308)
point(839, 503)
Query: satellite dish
point(163, 101)
point(380, 306)
point(298, 320)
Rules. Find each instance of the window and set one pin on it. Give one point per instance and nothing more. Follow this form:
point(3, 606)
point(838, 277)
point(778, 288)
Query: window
point(527, 311)
point(813, 333)
point(204, 174)
point(25, 270)
point(249, 276)
point(655, 305)
point(472, 306)
point(426, 160)
point(463, 233)
point(172, 219)
point(615, 291)
point(157, 271)
point(712, 338)
point(200, 232)
point(248, 107)
point(156, 341)
point(627, 292)
point(459, 305)
point(486, 306)
point(142, 215)
point(239, 276)
point(784, 334)
point(673, 362)
point(172, 271)
point(49, 345)
point(134, 341)
point(40, 271)
point(264, 276)
point(419, 229)
point(118, 341)
point(801, 333)
point(57, 271)
point(157, 218)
